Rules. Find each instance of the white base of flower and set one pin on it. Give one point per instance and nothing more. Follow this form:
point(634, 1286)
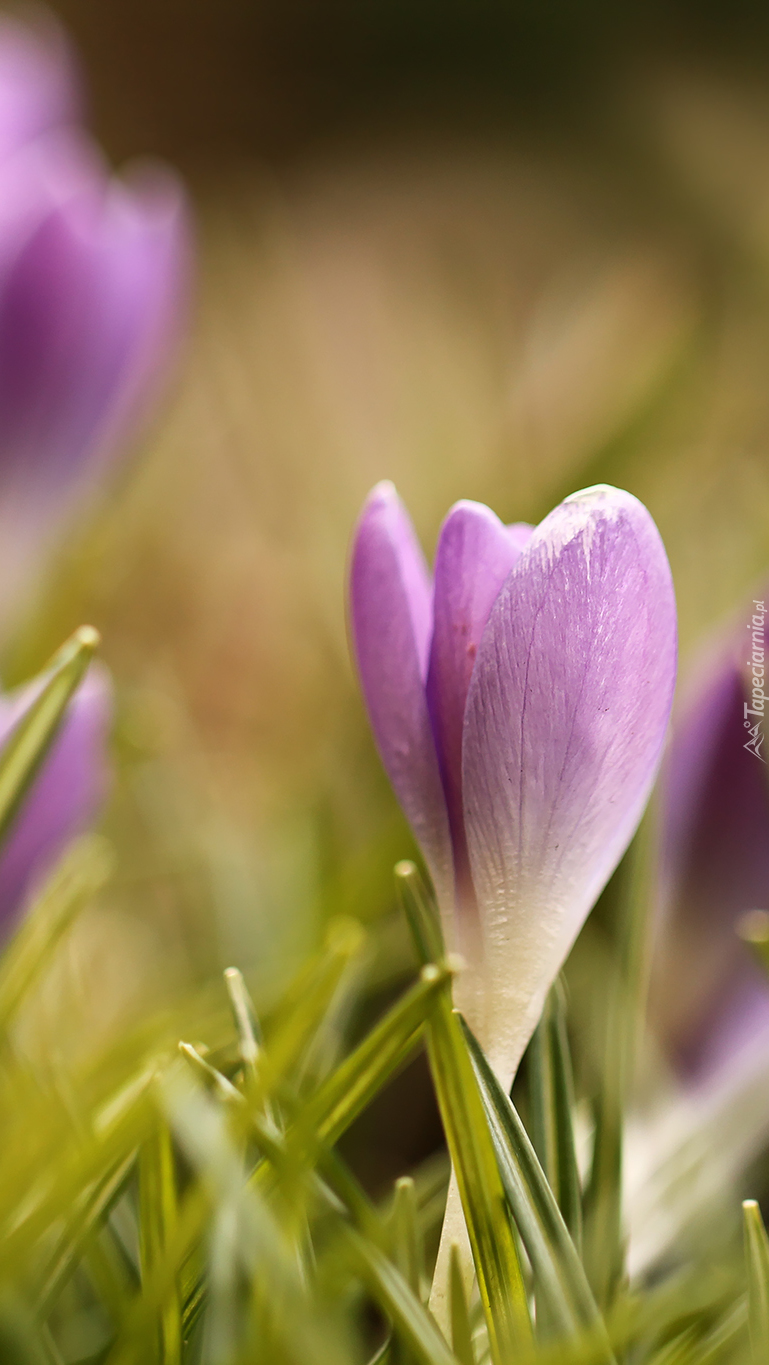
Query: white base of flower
point(453, 1232)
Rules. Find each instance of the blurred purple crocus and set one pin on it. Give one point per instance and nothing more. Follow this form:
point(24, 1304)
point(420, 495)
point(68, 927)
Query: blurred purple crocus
point(710, 998)
point(519, 702)
point(39, 87)
point(65, 796)
point(92, 277)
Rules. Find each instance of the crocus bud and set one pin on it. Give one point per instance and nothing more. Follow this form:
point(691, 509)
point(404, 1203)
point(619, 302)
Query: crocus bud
point(710, 999)
point(519, 704)
point(65, 796)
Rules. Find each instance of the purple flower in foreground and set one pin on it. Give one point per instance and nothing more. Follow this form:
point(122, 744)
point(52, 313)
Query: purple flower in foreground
point(519, 705)
point(65, 796)
point(710, 999)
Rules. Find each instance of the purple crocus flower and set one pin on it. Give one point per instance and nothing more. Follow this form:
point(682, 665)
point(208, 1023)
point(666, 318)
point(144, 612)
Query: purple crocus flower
point(92, 277)
point(39, 87)
point(710, 998)
point(519, 703)
point(65, 796)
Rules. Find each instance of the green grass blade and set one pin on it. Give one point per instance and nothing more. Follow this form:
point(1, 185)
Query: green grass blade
point(78, 1231)
point(551, 1095)
point(244, 1014)
point(420, 911)
point(461, 1329)
point(405, 1251)
point(630, 889)
point(158, 1209)
point(81, 873)
point(757, 1265)
point(602, 1232)
point(558, 1273)
point(363, 1073)
point(305, 1007)
point(405, 1238)
point(492, 1235)
point(396, 1298)
point(35, 732)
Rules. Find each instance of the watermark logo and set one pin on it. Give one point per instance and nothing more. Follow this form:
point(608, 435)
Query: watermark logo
point(754, 709)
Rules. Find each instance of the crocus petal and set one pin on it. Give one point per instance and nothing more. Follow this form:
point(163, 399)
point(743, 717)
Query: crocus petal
point(65, 796)
point(39, 89)
point(520, 532)
point(475, 554)
point(715, 866)
point(391, 618)
point(565, 720)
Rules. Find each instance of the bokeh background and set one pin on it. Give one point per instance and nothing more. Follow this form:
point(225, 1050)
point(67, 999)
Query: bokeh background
point(488, 250)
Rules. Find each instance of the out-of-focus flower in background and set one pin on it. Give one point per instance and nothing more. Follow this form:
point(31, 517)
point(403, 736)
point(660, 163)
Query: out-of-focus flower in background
point(710, 998)
point(39, 85)
point(66, 794)
point(92, 276)
point(520, 709)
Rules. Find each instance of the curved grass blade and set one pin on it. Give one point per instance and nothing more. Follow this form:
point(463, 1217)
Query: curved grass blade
point(551, 1096)
point(405, 1235)
point(558, 1273)
point(420, 911)
point(405, 1251)
point(492, 1234)
point(158, 1208)
point(757, 1265)
point(34, 733)
point(363, 1073)
point(397, 1299)
point(304, 1008)
point(95, 1209)
point(461, 1329)
point(629, 893)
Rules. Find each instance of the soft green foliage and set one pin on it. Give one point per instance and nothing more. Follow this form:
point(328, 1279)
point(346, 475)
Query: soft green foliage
point(178, 1197)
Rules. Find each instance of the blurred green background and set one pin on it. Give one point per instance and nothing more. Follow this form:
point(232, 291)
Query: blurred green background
point(497, 251)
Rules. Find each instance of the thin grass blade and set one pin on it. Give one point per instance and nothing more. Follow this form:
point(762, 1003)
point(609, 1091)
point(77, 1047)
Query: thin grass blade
point(551, 1095)
point(757, 1265)
point(35, 732)
point(461, 1328)
point(492, 1234)
point(396, 1298)
point(363, 1073)
point(159, 1213)
point(558, 1273)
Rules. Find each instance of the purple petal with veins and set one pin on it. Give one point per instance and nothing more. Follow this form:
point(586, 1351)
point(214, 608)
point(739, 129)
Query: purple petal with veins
point(391, 619)
point(566, 715)
point(474, 557)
